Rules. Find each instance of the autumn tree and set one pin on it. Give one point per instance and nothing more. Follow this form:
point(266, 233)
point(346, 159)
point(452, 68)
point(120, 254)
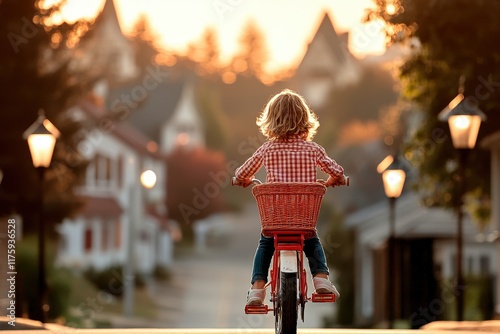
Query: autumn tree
point(206, 53)
point(143, 39)
point(253, 55)
point(357, 105)
point(196, 179)
point(451, 39)
point(39, 71)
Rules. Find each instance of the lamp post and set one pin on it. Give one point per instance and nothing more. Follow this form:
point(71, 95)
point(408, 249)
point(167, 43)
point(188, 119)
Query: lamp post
point(148, 181)
point(41, 137)
point(464, 119)
point(393, 177)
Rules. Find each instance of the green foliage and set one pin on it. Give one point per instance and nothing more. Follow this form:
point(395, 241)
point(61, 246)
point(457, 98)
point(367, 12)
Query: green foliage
point(360, 101)
point(38, 72)
point(109, 280)
point(479, 301)
point(454, 39)
point(57, 279)
point(214, 121)
point(338, 243)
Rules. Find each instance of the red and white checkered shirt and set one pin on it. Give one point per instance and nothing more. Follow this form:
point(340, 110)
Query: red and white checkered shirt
point(291, 160)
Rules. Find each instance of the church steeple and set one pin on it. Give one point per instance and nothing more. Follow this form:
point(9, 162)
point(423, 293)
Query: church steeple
point(109, 49)
point(108, 15)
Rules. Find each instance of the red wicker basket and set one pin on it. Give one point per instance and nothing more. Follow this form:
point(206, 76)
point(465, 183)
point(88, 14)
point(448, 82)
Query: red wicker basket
point(289, 206)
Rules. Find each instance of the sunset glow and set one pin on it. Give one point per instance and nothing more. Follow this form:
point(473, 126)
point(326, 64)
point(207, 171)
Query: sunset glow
point(288, 25)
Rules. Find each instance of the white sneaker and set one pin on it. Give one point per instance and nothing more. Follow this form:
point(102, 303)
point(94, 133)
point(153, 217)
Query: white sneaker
point(323, 285)
point(256, 297)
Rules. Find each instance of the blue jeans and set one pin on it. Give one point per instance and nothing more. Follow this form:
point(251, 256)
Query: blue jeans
point(262, 260)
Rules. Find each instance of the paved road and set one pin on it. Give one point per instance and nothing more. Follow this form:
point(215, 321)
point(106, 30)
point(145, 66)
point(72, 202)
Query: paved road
point(234, 331)
point(209, 286)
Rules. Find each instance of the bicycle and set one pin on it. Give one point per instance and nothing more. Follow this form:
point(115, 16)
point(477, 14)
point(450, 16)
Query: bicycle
point(288, 213)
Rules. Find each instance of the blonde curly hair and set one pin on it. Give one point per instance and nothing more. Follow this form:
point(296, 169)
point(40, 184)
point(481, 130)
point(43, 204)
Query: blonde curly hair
point(287, 114)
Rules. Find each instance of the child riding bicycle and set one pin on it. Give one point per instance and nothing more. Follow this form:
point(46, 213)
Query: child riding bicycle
point(289, 155)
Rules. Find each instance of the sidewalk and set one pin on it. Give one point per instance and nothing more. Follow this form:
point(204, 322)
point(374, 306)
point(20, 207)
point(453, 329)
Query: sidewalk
point(490, 326)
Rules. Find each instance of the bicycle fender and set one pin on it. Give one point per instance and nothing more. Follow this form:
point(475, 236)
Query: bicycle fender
point(288, 261)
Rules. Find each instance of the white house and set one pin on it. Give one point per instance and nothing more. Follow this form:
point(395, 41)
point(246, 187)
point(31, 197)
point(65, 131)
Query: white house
point(115, 203)
point(326, 64)
point(492, 143)
point(427, 241)
point(106, 50)
point(185, 127)
point(155, 112)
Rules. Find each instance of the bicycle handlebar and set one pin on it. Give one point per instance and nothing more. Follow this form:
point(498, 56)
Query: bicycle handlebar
point(235, 182)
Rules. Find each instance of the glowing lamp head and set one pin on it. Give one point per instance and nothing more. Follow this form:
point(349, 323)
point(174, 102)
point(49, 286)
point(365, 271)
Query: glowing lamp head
point(464, 130)
point(393, 176)
point(394, 180)
point(41, 137)
point(148, 179)
point(464, 118)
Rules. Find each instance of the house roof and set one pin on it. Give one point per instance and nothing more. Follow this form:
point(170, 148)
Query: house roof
point(124, 131)
point(412, 220)
point(100, 206)
point(154, 110)
point(107, 15)
point(333, 40)
point(491, 141)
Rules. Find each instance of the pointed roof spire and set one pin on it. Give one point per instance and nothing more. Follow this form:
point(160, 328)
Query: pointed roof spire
point(327, 29)
point(108, 14)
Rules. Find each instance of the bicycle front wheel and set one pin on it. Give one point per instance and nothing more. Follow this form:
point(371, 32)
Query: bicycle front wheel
point(286, 315)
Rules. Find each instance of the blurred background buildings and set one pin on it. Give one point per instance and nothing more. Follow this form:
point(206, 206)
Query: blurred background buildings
point(191, 119)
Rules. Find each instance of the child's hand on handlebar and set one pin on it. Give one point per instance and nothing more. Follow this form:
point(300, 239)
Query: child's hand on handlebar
point(332, 182)
point(241, 183)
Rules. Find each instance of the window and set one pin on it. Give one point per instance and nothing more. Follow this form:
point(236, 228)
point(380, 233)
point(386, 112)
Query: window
point(120, 171)
point(484, 265)
point(118, 234)
point(108, 163)
point(104, 168)
point(105, 236)
point(470, 265)
point(88, 239)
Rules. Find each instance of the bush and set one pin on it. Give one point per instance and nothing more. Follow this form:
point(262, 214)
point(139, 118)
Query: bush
point(109, 280)
point(57, 280)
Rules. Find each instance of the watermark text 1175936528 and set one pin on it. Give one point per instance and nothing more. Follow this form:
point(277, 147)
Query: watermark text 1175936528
point(11, 271)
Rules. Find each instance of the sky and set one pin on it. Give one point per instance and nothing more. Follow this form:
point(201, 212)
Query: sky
point(288, 25)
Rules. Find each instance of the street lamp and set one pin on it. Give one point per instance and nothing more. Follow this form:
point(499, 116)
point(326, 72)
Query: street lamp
point(393, 177)
point(148, 181)
point(464, 119)
point(41, 137)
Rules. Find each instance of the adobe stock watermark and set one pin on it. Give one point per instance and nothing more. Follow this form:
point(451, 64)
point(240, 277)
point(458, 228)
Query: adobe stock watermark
point(250, 322)
point(437, 306)
point(365, 35)
point(27, 31)
point(121, 108)
point(128, 101)
point(221, 179)
point(92, 306)
point(222, 7)
point(482, 92)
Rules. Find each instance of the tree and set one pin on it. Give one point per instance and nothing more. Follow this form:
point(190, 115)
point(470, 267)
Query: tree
point(454, 39)
point(143, 40)
point(206, 53)
point(38, 72)
point(196, 179)
point(253, 56)
point(358, 103)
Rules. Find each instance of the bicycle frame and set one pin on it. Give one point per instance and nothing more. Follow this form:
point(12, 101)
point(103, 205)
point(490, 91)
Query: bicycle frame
point(288, 275)
point(288, 257)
